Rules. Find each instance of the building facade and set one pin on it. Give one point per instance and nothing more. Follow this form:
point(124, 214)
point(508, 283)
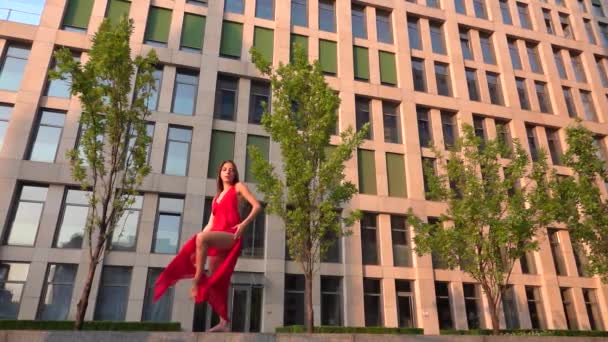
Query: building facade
point(416, 70)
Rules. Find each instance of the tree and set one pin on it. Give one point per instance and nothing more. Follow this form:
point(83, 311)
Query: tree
point(111, 160)
point(491, 219)
point(302, 120)
point(578, 200)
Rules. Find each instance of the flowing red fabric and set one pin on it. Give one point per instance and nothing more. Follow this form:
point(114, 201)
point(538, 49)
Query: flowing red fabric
point(214, 288)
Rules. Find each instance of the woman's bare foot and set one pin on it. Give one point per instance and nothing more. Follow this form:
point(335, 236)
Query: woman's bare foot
point(222, 326)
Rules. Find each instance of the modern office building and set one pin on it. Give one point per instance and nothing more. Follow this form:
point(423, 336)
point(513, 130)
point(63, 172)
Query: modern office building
point(416, 70)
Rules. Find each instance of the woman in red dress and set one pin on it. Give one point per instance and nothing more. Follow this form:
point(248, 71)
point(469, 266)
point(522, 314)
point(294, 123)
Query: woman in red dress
point(220, 241)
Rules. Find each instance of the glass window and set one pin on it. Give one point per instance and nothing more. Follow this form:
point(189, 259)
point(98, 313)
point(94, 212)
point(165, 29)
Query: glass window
point(255, 235)
point(566, 28)
point(234, 6)
point(264, 9)
point(559, 62)
point(419, 75)
point(395, 171)
point(533, 58)
point(509, 305)
point(26, 215)
point(25, 11)
point(480, 130)
point(260, 94)
point(152, 101)
point(569, 102)
point(526, 261)
point(358, 21)
point(582, 6)
point(327, 16)
point(548, 21)
point(328, 53)
point(369, 238)
point(70, 233)
point(113, 295)
point(361, 63)
point(5, 115)
point(471, 75)
point(480, 9)
point(367, 171)
point(56, 296)
point(406, 310)
point(577, 66)
point(596, 7)
point(168, 225)
point(77, 14)
point(390, 114)
point(449, 128)
point(429, 168)
point(535, 307)
point(402, 249)
point(159, 311)
point(413, 30)
point(494, 88)
point(232, 40)
point(460, 6)
point(487, 48)
point(263, 41)
point(432, 3)
point(514, 53)
point(299, 13)
point(12, 280)
point(465, 44)
point(588, 106)
point(363, 115)
point(522, 93)
point(601, 68)
point(593, 310)
point(556, 252)
point(226, 97)
point(60, 87)
point(157, 26)
point(294, 300)
point(177, 153)
point(569, 310)
point(193, 32)
point(124, 236)
point(222, 148)
point(116, 9)
point(604, 30)
point(442, 78)
point(424, 126)
point(437, 39)
point(184, 94)
point(47, 136)
point(472, 305)
point(372, 302)
point(444, 308)
point(505, 12)
point(543, 97)
point(331, 300)
point(555, 149)
point(524, 15)
point(503, 134)
point(531, 135)
point(384, 27)
point(11, 71)
point(588, 29)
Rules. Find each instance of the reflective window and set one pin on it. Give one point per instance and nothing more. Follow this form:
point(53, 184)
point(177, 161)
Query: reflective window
point(383, 26)
point(13, 65)
point(264, 9)
point(331, 300)
point(61, 87)
point(234, 6)
point(327, 15)
point(184, 95)
point(259, 94)
point(5, 116)
point(113, 295)
point(56, 297)
point(12, 280)
point(159, 311)
point(70, 233)
point(372, 302)
point(26, 216)
point(299, 13)
point(168, 225)
point(47, 136)
point(358, 21)
point(177, 153)
point(226, 97)
point(124, 237)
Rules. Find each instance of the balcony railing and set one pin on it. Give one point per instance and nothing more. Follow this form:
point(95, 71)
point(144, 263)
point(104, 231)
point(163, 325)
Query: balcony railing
point(19, 16)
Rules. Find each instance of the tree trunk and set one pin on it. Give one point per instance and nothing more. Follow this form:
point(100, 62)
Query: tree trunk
point(495, 318)
point(83, 303)
point(308, 303)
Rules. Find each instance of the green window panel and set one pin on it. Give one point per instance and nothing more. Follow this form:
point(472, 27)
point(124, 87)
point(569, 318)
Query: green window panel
point(157, 28)
point(263, 145)
point(222, 148)
point(388, 71)
point(232, 39)
point(395, 170)
point(302, 41)
point(193, 31)
point(263, 41)
point(361, 62)
point(78, 13)
point(367, 172)
point(116, 9)
point(328, 56)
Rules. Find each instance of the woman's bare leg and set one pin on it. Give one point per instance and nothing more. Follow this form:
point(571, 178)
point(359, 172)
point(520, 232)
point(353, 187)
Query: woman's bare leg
point(204, 240)
point(214, 263)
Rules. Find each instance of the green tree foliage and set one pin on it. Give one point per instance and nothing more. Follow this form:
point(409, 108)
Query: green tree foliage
point(302, 120)
point(578, 200)
point(495, 208)
point(111, 161)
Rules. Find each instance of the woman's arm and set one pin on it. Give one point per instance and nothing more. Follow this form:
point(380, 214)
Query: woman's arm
point(255, 207)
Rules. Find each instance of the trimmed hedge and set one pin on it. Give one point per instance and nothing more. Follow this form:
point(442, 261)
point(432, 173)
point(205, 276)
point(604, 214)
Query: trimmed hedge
point(351, 330)
point(89, 325)
point(529, 332)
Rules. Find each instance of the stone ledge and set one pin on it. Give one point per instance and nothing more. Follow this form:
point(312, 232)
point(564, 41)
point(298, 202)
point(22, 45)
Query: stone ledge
point(113, 336)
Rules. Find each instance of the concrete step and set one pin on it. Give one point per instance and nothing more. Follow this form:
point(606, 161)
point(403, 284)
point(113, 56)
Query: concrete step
point(112, 336)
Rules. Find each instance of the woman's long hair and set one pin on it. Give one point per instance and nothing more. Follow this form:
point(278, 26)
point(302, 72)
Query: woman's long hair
point(220, 183)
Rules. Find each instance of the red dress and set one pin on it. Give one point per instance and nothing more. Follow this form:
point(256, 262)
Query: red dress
point(214, 288)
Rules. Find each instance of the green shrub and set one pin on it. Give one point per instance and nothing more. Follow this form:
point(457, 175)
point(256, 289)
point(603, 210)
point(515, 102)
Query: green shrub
point(90, 325)
point(351, 330)
point(529, 332)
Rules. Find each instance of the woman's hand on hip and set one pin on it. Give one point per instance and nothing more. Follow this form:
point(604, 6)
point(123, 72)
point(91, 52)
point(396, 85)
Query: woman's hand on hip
point(240, 229)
